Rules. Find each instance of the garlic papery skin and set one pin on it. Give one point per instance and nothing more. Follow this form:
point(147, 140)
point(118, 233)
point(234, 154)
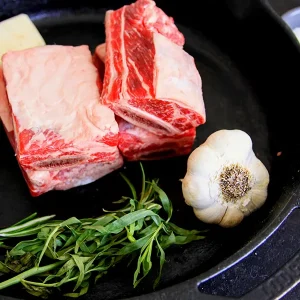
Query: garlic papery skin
point(225, 181)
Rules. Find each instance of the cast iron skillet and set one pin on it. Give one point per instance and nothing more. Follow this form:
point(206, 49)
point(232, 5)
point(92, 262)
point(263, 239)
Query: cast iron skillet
point(246, 57)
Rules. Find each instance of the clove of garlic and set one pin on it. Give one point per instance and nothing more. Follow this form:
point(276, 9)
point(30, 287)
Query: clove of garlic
point(231, 217)
point(212, 214)
point(225, 181)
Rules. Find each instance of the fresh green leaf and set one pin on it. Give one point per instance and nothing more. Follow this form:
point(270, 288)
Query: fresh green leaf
point(22, 233)
point(137, 271)
point(64, 253)
point(44, 233)
point(157, 219)
point(70, 221)
point(133, 191)
point(153, 206)
point(181, 240)
point(150, 229)
point(84, 289)
point(25, 246)
point(55, 229)
point(141, 262)
point(162, 259)
point(64, 269)
point(167, 205)
point(139, 224)
point(181, 231)
point(72, 238)
point(147, 263)
point(29, 218)
point(138, 244)
point(167, 240)
point(25, 225)
point(63, 237)
point(104, 220)
point(122, 200)
point(118, 225)
point(81, 239)
point(143, 184)
point(79, 262)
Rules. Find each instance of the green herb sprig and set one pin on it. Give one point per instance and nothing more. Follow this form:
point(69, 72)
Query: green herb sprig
point(80, 251)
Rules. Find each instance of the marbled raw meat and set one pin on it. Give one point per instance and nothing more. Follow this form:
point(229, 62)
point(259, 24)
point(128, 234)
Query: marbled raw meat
point(60, 127)
point(150, 81)
point(136, 143)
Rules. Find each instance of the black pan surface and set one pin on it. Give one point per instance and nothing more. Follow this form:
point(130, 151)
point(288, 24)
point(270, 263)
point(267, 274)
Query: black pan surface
point(234, 100)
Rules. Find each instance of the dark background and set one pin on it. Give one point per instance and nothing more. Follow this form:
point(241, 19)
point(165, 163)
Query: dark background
point(282, 6)
point(272, 255)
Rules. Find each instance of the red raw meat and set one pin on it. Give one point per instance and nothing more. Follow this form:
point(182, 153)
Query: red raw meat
point(150, 81)
point(100, 52)
point(136, 143)
point(64, 137)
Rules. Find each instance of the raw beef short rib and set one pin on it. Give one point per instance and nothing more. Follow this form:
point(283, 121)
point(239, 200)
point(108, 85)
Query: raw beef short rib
point(60, 127)
point(150, 81)
point(136, 143)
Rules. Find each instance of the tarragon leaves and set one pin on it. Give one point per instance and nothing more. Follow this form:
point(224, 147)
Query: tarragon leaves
point(79, 252)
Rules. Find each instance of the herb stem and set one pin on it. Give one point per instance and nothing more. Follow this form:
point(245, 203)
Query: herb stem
point(31, 272)
point(27, 224)
point(143, 185)
point(29, 218)
point(56, 284)
point(47, 243)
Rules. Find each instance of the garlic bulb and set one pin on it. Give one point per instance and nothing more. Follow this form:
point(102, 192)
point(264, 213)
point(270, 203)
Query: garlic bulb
point(225, 181)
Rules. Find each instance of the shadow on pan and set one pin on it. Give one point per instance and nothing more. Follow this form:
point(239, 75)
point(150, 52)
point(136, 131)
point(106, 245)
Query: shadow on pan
point(247, 85)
